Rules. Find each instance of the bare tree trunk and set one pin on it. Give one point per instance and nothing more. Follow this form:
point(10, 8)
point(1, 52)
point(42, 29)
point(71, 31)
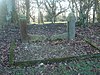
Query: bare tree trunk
point(39, 16)
point(53, 19)
point(87, 17)
point(11, 16)
point(98, 10)
point(93, 15)
point(14, 13)
point(39, 12)
point(94, 11)
point(81, 14)
point(9, 11)
point(27, 2)
point(3, 14)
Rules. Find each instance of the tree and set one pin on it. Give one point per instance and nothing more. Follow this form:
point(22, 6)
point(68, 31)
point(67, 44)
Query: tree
point(9, 10)
point(27, 3)
point(3, 13)
point(98, 10)
point(94, 10)
point(40, 15)
point(53, 10)
point(23, 9)
point(11, 14)
point(82, 7)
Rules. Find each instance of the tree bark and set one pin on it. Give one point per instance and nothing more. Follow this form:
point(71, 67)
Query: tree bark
point(94, 11)
point(9, 11)
point(14, 13)
point(98, 11)
point(27, 2)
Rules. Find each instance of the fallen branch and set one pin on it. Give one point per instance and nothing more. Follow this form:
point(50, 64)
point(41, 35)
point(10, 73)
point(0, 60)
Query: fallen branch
point(93, 45)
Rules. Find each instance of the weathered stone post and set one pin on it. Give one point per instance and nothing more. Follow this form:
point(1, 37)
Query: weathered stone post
point(23, 29)
point(71, 26)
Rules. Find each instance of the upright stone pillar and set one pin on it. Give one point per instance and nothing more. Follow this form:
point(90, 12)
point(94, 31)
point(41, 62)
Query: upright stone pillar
point(71, 26)
point(23, 30)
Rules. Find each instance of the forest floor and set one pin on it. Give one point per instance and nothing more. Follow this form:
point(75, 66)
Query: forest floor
point(52, 49)
point(58, 48)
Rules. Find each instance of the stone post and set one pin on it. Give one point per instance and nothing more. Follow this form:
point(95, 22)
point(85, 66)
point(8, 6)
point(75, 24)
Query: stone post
point(71, 26)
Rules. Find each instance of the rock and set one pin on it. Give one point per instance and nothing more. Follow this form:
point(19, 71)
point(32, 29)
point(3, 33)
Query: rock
point(41, 64)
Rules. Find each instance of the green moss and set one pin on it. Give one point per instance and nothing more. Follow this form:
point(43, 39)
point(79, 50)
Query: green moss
point(53, 60)
point(37, 38)
point(11, 53)
point(59, 36)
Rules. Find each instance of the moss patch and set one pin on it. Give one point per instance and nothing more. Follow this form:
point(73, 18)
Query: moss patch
point(59, 36)
point(38, 38)
point(57, 60)
point(11, 53)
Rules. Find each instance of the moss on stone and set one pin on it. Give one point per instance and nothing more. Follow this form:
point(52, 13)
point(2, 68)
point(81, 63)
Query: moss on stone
point(55, 60)
point(59, 36)
point(37, 38)
point(40, 38)
point(11, 53)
